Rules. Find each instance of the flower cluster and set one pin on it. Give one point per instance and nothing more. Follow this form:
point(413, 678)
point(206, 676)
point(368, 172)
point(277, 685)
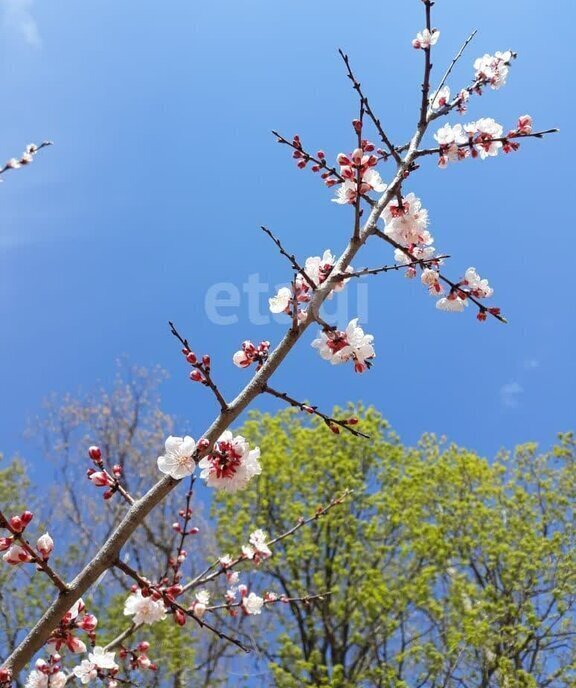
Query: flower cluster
point(358, 166)
point(231, 464)
point(257, 550)
point(350, 345)
point(99, 664)
point(250, 353)
point(101, 477)
point(471, 285)
point(425, 39)
point(317, 269)
point(25, 159)
point(47, 674)
point(493, 69)
point(484, 138)
point(406, 224)
point(75, 619)
point(138, 657)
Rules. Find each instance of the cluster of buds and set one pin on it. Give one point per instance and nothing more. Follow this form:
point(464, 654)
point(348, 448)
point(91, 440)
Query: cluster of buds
point(100, 477)
point(75, 619)
point(16, 549)
point(250, 353)
point(48, 673)
point(201, 367)
point(303, 158)
point(137, 658)
point(357, 172)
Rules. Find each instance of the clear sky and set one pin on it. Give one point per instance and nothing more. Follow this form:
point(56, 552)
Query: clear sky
point(164, 167)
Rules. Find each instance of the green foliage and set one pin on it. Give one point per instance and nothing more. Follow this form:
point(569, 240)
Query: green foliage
point(444, 569)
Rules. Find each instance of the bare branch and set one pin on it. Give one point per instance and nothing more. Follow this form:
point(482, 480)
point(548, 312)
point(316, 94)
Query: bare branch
point(332, 423)
point(291, 257)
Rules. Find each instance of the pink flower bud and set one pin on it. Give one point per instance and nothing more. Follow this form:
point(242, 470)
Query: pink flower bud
point(357, 124)
point(196, 376)
point(108, 494)
point(179, 617)
point(100, 479)
point(16, 524)
point(88, 623)
point(194, 531)
point(176, 527)
point(17, 555)
point(203, 444)
point(5, 543)
point(144, 646)
point(206, 360)
point(5, 675)
point(191, 357)
point(45, 545)
point(95, 453)
point(26, 517)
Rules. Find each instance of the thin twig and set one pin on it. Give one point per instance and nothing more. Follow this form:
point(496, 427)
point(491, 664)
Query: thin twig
point(427, 67)
point(216, 569)
point(364, 101)
point(442, 277)
point(22, 162)
point(452, 65)
point(390, 268)
point(313, 410)
point(290, 256)
point(205, 370)
point(172, 604)
point(306, 600)
point(501, 139)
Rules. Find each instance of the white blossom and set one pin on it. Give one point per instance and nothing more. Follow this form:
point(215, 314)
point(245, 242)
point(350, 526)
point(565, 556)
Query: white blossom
point(493, 68)
point(252, 604)
point(478, 286)
point(258, 541)
point(452, 303)
point(178, 461)
point(351, 345)
point(145, 610)
point(281, 302)
point(102, 659)
point(426, 38)
point(441, 98)
point(85, 671)
point(231, 465)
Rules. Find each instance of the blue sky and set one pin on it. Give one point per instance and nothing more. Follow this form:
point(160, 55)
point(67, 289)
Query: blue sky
point(164, 167)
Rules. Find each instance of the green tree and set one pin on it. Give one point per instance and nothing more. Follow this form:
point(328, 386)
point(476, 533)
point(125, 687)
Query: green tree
point(444, 569)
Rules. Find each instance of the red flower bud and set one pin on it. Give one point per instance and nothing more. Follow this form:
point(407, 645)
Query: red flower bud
point(179, 617)
point(144, 646)
point(95, 453)
point(191, 357)
point(196, 376)
point(5, 543)
point(206, 360)
point(26, 517)
point(16, 524)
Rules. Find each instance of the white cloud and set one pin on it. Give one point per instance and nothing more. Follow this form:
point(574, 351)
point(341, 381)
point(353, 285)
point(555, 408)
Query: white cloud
point(18, 20)
point(510, 394)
